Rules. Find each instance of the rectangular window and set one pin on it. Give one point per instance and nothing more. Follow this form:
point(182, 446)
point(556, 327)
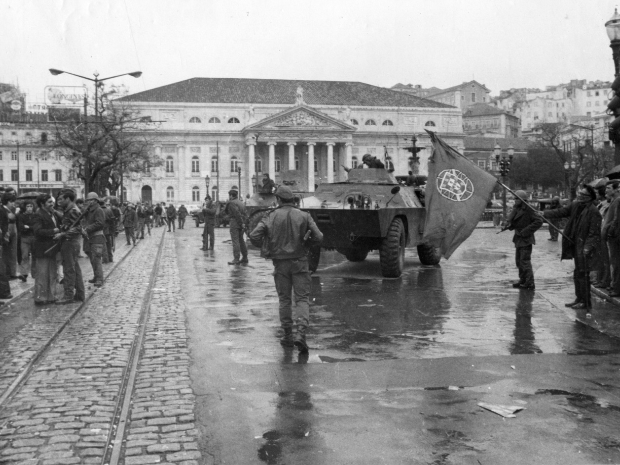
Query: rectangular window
point(29, 156)
point(588, 104)
point(482, 163)
point(44, 175)
point(28, 175)
point(58, 175)
point(0, 155)
point(14, 175)
point(1, 175)
point(473, 97)
point(214, 165)
point(13, 156)
point(195, 166)
point(596, 93)
point(278, 165)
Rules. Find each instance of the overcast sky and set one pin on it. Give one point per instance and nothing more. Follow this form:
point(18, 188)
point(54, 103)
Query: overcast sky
point(502, 44)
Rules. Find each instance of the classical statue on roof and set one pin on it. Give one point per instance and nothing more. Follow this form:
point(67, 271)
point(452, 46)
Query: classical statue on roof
point(300, 96)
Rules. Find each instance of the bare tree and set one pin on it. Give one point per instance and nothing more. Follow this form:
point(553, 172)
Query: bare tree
point(115, 141)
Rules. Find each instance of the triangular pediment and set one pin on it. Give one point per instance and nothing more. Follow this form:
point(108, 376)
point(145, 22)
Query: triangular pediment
point(301, 117)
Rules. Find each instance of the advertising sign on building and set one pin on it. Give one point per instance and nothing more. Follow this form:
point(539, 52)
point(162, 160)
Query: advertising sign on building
point(66, 96)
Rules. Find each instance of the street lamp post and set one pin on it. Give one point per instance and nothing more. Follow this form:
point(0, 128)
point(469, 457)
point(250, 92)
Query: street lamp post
point(207, 179)
point(97, 81)
point(503, 166)
point(569, 169)
point(239, 175)
point(613, 32)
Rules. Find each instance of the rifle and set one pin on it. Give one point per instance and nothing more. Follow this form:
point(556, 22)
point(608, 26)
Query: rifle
point(76, 222)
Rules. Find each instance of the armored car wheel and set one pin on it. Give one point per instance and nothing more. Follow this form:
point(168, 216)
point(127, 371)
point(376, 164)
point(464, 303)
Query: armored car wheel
point(392, 250)
point(355, 255)
point(314, 256)
point(428, 254)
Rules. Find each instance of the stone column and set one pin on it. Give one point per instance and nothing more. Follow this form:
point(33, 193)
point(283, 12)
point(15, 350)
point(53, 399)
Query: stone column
point(330, 161)
point(180, 196)
point(291, 155)
point(311, 166)
point(250, 169)
point(272, 159)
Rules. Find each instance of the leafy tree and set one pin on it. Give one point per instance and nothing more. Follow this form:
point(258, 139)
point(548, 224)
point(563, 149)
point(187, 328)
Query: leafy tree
point(104, 146)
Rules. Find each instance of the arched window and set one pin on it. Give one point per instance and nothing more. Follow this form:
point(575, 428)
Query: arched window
point(278, 164)
point(430, 124)
point(387, 122)
point(170, 194)
point(233, 120)
point(354, 122)
point(169, 165)
point(297, 163)
point(234, 164)
point(196, 194)
point(370, 122)
point(195, 120)
point(214, 165)
point(354, 162)
point(214, 120)
point(195, 164)
point(258, 165)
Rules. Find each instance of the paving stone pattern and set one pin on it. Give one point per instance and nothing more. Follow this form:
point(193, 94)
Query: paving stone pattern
point(64, 412)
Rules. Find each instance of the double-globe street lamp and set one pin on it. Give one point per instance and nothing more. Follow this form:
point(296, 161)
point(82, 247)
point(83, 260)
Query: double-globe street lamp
point(97, 81)
point(503, 167)
point(569, 169)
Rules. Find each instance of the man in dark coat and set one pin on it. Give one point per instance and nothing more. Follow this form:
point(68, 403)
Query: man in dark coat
point(584, 233)
point(171, 216)
point(208, 234)
point(524, 222)
point(5, 287)
point(182, 213)
point(130, 219)
point(235, 209)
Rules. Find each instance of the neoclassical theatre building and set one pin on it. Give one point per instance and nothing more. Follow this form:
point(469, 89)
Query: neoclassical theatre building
point(220, 133)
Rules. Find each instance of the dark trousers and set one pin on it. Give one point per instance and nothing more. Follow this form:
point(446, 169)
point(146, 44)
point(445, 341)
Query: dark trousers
point(109, 243)
point(603, 268)
point(614, 259)
point(97, 244)
point(5, 287)
point(208, 236)
point(129, 234)
point(181, 223)
point(239, 248)
point(552, 231)
point(523, 258)
point(171, 222)
point(10, 256)
point(292, 277)
point(140, 228)
point(581, 278)
point(73, 281)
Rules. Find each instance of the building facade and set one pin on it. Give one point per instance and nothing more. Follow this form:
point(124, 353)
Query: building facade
point(463, 96)
point(488, 121)
point(219, 134)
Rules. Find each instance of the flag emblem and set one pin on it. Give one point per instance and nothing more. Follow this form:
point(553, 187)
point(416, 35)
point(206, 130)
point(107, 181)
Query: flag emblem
point(454, 185)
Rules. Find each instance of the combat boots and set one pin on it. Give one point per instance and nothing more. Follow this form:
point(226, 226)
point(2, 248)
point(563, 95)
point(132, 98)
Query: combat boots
point(287, 339)
point(300, 339)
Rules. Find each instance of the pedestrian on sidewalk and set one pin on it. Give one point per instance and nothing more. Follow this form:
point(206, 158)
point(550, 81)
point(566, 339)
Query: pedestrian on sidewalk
point(603, 266)
point(95, 222)
point(524, 222)
point(70, 232)
point(157, 211)
point(235, 209)
point(130, 219)
point(281, 235)
point(208, 234)
point(583, 231)
point(171, 216)
point(148, 216)
point(611, 233)
point(182, 215)
point(46, 224)
point(5, 287)
point(9, 252)
point(26, 234)
point(141, 220)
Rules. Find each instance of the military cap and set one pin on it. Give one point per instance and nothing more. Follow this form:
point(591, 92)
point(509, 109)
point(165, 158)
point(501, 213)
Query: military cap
point(233, 192)
point(521, 194)
point(285, 193)
point(367, 157)
point(92, 196)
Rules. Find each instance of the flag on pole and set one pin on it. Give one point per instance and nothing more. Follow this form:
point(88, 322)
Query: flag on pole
point(457, 192)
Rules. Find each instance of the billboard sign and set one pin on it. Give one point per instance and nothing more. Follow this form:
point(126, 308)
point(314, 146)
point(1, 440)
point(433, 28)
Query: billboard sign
point(66, 96)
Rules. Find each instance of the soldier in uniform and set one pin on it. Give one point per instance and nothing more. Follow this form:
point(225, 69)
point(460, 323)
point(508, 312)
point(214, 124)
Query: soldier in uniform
point(141, 220)
point(236, 211)
point(370, 161)
point(182, 215)
point(148, 216)
point(281, 235)
point(70, 232)
point(524, 222)
point(208, 234)
point(130, 220)
point(95, 222)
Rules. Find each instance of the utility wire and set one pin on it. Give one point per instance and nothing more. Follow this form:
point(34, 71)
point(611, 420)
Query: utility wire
point(134, 43)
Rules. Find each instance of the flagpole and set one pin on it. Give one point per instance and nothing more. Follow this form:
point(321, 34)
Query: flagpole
point(534, 210)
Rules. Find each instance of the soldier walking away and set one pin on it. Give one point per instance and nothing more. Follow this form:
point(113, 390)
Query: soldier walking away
point(171, 215)
point(281, 236)
point(93, 228)
point(129, 223)
point(553, 232)
point(26, 234)
point(70, 232)
point(238, 218)
point(158, 211)
point(141, 220)
point(583, 230)
point(611, 233)
point(524, 222)
point(182, 215)
point(208, 234)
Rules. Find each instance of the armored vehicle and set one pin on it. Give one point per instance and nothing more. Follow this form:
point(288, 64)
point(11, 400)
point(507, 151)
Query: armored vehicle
point(370, 211)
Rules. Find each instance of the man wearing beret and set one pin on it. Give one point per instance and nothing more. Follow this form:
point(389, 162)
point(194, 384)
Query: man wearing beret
point(281, 235)
point(524, 222)
point(582, 235)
